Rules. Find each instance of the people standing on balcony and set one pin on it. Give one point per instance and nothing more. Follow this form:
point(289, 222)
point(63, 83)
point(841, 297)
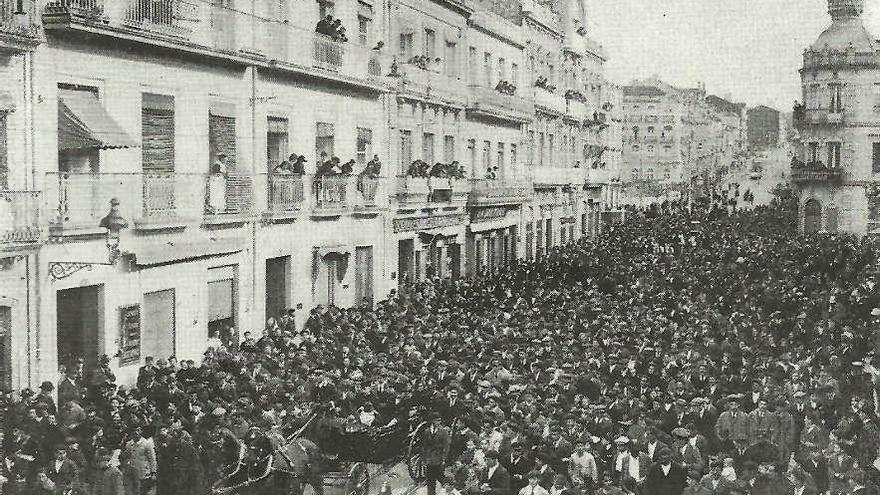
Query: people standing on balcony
point(217, 185)
point(325, 26)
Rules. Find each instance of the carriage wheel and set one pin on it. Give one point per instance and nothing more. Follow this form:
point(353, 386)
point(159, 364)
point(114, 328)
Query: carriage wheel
point(414, 463)
point(358, 480)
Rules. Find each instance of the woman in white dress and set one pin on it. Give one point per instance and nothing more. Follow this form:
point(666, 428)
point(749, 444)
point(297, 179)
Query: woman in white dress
point(217, 185)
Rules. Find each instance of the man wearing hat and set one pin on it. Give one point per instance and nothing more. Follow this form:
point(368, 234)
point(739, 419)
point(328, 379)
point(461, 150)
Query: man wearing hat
point(685, 453)
point(45, 397)
point(693, 485)
point(732, 427)
point(665, 476)
point(435, 449)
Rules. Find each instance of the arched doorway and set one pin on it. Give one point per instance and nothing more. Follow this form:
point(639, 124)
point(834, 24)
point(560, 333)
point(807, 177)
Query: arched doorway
point(831, 219)
point(812, 216)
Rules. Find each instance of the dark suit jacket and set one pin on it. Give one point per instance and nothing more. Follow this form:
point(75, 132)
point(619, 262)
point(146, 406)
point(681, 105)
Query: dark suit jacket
point(499, 483)
point(435, 446)
point(659, 484)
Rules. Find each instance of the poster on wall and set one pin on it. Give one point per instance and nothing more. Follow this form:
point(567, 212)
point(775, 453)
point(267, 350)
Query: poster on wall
point(130, 335)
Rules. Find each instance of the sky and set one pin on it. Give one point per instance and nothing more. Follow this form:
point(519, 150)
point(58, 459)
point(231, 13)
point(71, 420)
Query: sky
point(750, 50)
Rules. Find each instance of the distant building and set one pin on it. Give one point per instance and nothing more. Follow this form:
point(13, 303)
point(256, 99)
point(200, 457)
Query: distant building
point(838, 154)
point(763, 128)
point(672, 135)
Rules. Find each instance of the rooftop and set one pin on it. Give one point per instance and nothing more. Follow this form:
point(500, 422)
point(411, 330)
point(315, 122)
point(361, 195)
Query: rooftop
point(649, 91)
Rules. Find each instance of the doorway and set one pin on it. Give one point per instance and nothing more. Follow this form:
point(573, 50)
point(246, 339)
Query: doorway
point(277, 290)
point(455, 260)
point(159, 324)
point(221, 311)
point(363, 273)
point(78, 320)
point(812, 216)
point(405, 251)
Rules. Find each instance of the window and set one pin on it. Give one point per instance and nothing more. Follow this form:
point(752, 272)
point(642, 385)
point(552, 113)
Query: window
point(157, 133)
point(649, 174)
point(451, 59)
point(651, 149)
point(635, 147)
point(513, 164)
point(472, 64)
point(221, 135)
point(634, 174)
point(500, 162)
point(502, 74)
point(324, 136)
point(449, 149)
point(487, 159)
point(833, 154)
point(814, 152)
point(564, 149)
point(487, 69)
point(531, 151)
point(552, 150)
point(541, 149)
point(325, 9)
point(514, 74)
point(667, 174)
point(836, 104)
point(276, 141)
point(551, 73)
point(430, 44)
point(635, 132)
point(650, 129)
point(405, 150)
point(472, 156)
point(875, 158)
point(667, 149)
point(364, 146)
point(364, 30)
point(406, 46)
point(428, 148)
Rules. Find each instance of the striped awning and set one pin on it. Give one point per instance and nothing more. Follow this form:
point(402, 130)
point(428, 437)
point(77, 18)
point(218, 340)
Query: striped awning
point(83, 123)
point(170, 252)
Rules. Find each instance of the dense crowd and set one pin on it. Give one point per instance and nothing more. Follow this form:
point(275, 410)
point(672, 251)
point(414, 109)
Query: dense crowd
point(687, 351)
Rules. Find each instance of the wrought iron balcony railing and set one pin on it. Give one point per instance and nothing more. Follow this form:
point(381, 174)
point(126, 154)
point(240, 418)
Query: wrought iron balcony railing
point(19, 217)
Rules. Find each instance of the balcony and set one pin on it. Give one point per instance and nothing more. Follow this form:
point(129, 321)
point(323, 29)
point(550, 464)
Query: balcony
point(431, 84)
point(487, 192)
point(208, 29)
point(488, 102)
point(338, 194)
point(549, 176)
point(554, 103)
point(540, 13)
point(19, 219)
point(16, 28)
point(431, 191)
point(77, 202)
point(583, 45)
point(817, 116)
point(836, 60)
point(815, 174)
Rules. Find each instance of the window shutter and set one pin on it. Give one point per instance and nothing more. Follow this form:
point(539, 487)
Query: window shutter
point(157, 131)
point(221, 137)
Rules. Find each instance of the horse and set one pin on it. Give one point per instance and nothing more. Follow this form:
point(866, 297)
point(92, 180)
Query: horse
point(272, 465)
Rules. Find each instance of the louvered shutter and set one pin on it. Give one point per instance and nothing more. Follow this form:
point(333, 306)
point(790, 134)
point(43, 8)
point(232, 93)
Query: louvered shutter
point(157, 132)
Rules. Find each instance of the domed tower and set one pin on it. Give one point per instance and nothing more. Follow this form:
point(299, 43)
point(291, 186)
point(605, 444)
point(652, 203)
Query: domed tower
point(839, 124)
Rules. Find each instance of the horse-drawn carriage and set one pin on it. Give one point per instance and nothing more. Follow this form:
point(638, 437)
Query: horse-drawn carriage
point(271, 464)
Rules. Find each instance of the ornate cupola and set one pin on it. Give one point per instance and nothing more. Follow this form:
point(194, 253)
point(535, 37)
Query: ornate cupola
point(843, 9)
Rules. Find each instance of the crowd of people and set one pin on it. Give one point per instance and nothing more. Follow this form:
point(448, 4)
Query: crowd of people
point(687, 351)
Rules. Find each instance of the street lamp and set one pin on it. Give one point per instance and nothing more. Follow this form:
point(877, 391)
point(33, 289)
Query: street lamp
point(114, 223)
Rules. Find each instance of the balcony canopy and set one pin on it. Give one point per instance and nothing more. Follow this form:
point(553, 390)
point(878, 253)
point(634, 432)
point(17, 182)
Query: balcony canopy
point(84, 124)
